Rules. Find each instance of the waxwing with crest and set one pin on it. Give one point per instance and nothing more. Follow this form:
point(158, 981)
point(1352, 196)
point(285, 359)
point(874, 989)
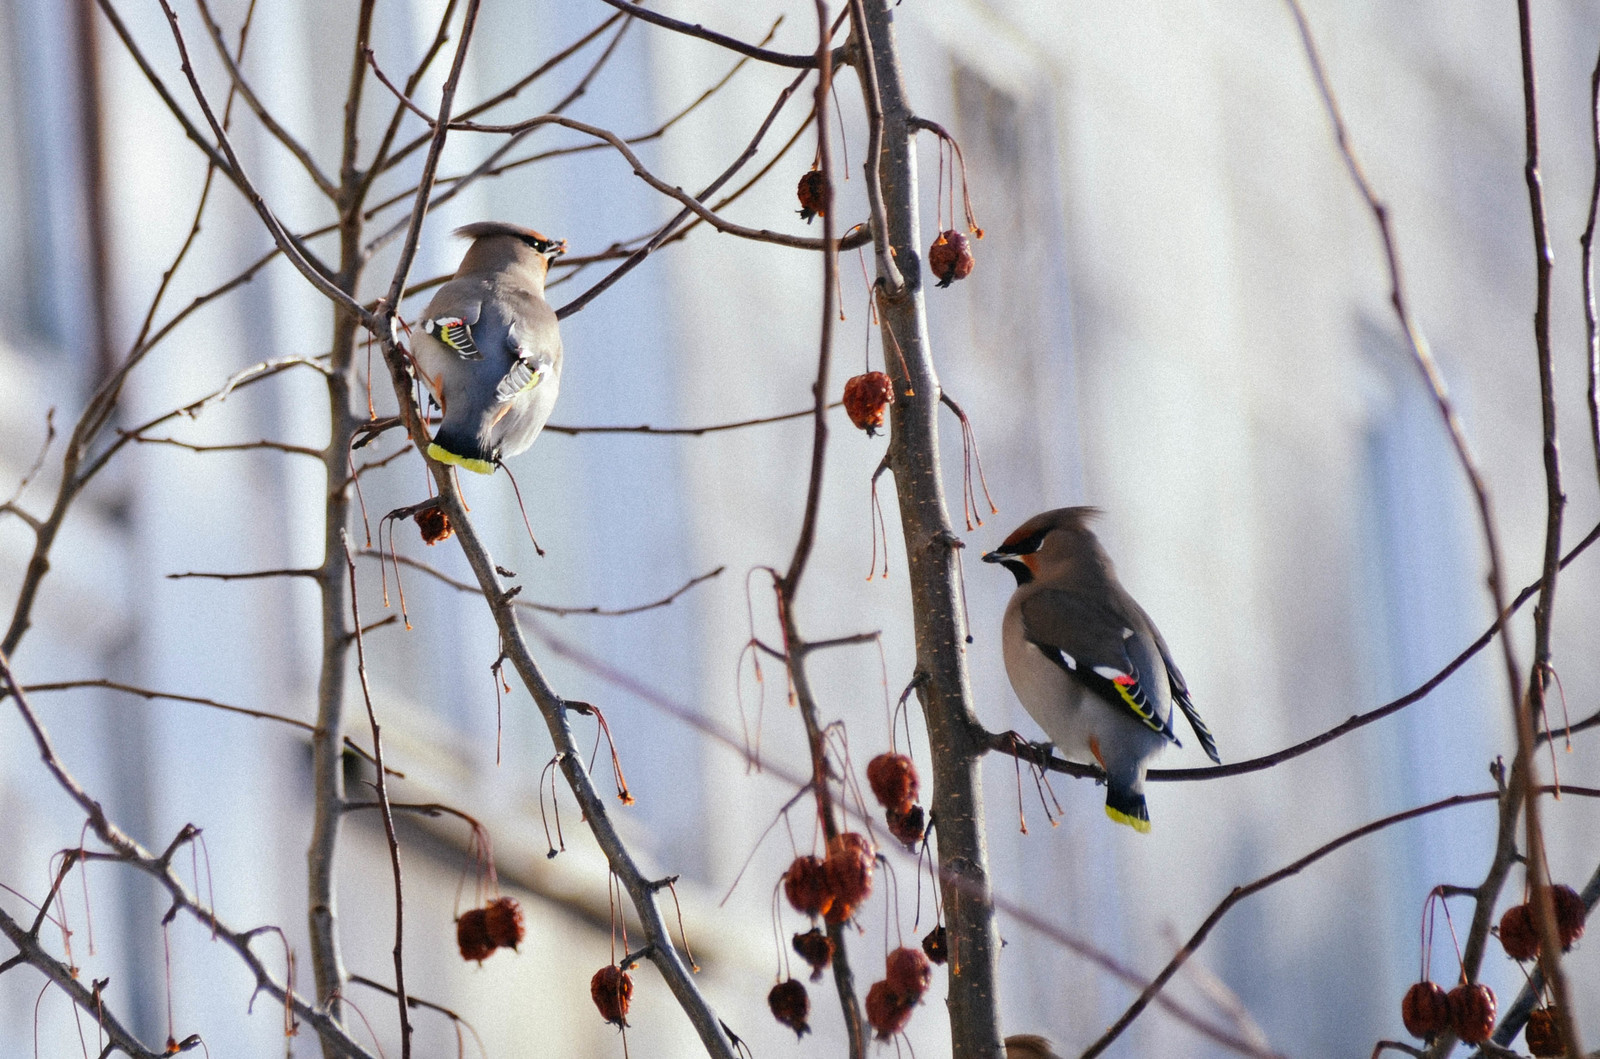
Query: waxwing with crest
point(1086, 661)
point(488, 348)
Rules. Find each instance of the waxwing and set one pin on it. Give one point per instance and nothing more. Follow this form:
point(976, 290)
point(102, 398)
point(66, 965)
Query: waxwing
point(488, 347)
point(1086, 660)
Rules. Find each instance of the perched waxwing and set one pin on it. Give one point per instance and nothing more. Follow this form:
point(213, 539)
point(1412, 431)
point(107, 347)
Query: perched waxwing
point(1086, 660)
point(488, 347)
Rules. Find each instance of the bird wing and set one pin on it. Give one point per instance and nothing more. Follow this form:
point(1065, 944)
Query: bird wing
point(1180, 691)
point(1111, 652)
point(531, 338)
point(452, 314)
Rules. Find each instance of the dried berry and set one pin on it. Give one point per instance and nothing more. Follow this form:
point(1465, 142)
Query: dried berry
point(1543, 1034)
point(1518, 934)
point(950, 257)
point(472, 935)
point(1570, 914)
point(887, 1011)
point(1472, 1011)
point(790, 1005)
point(805, 884)
point(936, 943)
point(611, 988)
point(908, 972)
point(893, 779)
point(849, 868)
point(434, 525)
point(503, 922)
point(908, 827)
point(1425, 1010)
point(816, 948)
point(814, 195)
point(865, 399)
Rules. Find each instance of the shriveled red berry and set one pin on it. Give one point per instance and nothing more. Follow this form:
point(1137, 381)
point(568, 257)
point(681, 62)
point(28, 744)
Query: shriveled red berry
point(1472, 1011)
point(503, 922)
point(1517, 933)
point(887, 1011)
point(866, 397)
point(849, 868)
point(814, 194)
point(1425, 1010)
point(805, 884)
point(434, 525)
point(908, 827)
point(1543, 1033)
point(790, 1005)
point(893, 779)
point(950, 257)
point(611, 989)
point(472, 935)
point(936, 943)
point(816, 948)
point(908, 972)
point(1570, 914)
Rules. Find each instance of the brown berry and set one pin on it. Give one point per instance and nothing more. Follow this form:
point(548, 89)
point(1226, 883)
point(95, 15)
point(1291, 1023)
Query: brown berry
point(814, 194)
point(1425, 1010)
point(908, 972)
point(1570, 914)
point(908, 827)
point(1543, 1034)
point(472, 935)
point(893, 779)
point(865, 399)
point(950, 257)
point(805, 884)
point(936, 943)
point(887, 1011)
point(611, 989)
point(816, 948)
point(434, 525)
point(849, 868)
point(1472, 1011)
point(790, 1005)
point(503, 921)
point(1517, 933)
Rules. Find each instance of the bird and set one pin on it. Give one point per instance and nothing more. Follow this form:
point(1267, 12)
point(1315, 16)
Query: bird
point(1085, 659)
point(489, 349)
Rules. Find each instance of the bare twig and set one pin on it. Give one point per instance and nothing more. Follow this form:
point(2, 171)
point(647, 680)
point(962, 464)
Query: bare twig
point(776, 58)
point(1239, 893)
point(382, 787)
point(1592, 324)
point(128, 851)
point(690, 431)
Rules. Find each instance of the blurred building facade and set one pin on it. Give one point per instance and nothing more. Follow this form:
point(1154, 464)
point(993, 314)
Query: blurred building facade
point(1179, 314)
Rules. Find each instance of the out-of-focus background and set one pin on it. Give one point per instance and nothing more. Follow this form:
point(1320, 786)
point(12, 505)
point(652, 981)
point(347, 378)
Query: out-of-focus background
point(1179, 314)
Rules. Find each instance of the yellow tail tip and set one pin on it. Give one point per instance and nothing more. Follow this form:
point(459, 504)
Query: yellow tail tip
point(1141, 826)
point(445, 456)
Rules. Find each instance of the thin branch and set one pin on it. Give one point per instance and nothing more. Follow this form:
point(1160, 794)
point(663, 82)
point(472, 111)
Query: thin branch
point(776, 58)
point(259, 109)
point(1239, 893)
point(297, 254)
point(1532, 705)
point(544, 608)
point(66, 979)
point(382, 786)
point(1591, 323)
point(248, 575)
point(132, 853)
point(240, 446)
point(196, 700)
point(867, 68)
point(690, 431)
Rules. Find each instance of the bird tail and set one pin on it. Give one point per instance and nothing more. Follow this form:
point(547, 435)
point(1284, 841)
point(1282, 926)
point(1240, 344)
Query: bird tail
point(451, 446)
point(1127, 806)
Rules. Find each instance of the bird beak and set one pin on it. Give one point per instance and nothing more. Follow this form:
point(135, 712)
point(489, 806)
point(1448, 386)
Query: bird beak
point(998, 556)
point(555, 249)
